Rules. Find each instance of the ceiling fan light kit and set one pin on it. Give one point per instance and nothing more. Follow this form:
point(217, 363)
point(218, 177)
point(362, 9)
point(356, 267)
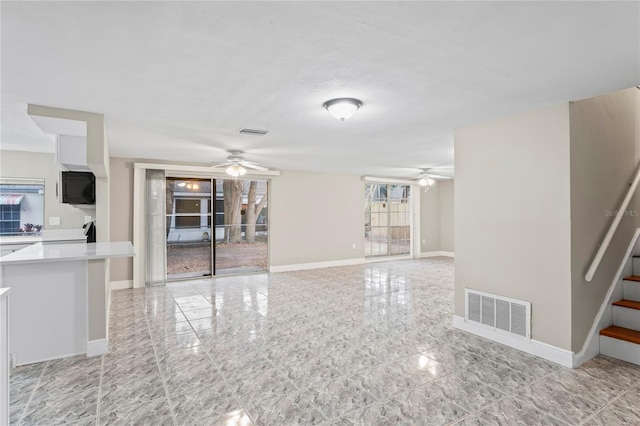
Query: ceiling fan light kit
point(342, 108)
point(237, 166)
point(236, 170)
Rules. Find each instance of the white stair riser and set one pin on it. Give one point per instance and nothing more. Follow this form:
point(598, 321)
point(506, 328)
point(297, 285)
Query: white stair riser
point(620, 349)
point(627, 318)
point(636, 265)
point(631, 290)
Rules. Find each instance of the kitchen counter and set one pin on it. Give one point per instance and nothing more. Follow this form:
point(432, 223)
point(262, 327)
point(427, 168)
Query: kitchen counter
point(45, 253)
point(59, 298)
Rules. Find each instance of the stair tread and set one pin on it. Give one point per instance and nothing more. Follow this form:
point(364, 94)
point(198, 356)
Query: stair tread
point(633, 278)
point(625, 303)
point(622, 333)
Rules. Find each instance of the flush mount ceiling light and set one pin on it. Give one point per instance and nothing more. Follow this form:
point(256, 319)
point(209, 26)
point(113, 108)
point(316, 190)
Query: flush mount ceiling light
point(342, 108)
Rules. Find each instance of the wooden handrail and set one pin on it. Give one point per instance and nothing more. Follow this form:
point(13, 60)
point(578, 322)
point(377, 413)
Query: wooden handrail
point(612, 229)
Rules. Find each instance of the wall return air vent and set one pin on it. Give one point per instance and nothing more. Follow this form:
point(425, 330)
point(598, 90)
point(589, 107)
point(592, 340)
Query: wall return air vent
point(499, 313)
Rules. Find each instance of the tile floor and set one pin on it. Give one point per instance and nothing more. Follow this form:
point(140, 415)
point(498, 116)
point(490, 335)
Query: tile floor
point(368, 345)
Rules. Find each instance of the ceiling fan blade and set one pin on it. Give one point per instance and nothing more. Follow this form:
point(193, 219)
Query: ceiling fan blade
point(220, 165)
point(254, 166)
point(439, 177)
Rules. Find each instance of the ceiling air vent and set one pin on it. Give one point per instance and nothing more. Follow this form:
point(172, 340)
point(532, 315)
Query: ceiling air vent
point(253, 132)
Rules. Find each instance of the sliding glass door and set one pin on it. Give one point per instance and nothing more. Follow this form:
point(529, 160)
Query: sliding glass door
point(215, 227)
point(190, 250)
point(387, 219)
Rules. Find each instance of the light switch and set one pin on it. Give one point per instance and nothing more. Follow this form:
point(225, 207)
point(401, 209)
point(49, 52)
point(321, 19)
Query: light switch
point(54, 220)
point(87, 219)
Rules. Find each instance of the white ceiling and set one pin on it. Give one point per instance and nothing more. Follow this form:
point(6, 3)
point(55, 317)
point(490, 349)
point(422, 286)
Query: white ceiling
point(176, 80)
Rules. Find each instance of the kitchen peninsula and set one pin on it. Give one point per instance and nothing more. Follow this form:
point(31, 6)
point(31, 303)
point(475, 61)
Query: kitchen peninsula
point(59, 299)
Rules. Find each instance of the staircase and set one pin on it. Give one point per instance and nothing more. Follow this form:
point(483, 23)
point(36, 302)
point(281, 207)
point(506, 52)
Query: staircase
point(622, 339)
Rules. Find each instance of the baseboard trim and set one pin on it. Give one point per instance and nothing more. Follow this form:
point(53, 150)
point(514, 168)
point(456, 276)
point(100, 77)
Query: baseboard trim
point(533, 347)
point(121, 285)
point(349, 262)
point(378, 259)
point(437, 254)
point(316, 265)
point(97, 347)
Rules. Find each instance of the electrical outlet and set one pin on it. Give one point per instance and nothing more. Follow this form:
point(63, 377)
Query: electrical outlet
point(54, 220)
point(353, 246)
point(87, 219)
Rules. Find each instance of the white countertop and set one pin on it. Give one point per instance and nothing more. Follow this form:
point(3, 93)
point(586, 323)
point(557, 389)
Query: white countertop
point(40, 253)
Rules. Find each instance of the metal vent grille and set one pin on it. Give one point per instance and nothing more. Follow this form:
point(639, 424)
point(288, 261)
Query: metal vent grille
point(253, 132)
point(500, 313)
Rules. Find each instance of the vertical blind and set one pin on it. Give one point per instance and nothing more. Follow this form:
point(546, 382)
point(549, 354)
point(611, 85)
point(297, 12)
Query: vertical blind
point(156, 234)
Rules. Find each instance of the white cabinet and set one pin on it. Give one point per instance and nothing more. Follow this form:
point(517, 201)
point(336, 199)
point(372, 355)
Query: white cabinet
point(71, 153)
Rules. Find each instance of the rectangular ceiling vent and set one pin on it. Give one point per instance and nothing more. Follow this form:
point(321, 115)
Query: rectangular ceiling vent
point(499, 313)
point(253, 132)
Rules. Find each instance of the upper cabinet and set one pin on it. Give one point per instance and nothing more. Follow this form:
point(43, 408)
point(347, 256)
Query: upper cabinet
point(71, 153)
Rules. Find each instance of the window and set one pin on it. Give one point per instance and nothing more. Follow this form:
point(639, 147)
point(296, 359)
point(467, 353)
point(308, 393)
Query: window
point(21, 206)
point(188, 213)
point(9, 219)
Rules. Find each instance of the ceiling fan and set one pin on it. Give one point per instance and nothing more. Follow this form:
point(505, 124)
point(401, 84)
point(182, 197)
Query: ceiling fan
point(236, 165)
point(426, 177)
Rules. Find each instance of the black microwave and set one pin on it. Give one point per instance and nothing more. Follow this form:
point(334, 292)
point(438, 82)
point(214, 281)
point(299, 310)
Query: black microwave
point(78, 188)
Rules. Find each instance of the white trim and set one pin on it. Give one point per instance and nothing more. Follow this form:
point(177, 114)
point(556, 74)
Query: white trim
point(376, 259)
point(120, 285)
point(591, 346)
point(387, 180)
point(196, 171)
point(316, 265)
point(436, 254)
point(97, 347)
point(530, 346)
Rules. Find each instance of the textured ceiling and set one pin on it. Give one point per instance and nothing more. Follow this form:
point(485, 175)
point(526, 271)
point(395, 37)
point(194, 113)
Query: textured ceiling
point(176, 80)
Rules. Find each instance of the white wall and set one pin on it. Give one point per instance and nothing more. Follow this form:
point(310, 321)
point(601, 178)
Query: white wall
point(315, 217)
point(447, 241)
point(121, 214)
point(605, 146)
point(512, 216)
point(23, 164)
point(436, 217)
point(430, 218)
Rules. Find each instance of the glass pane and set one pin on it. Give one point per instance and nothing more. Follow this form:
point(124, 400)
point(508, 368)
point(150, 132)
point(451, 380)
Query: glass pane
point(21, 207)
point(241, 233)
point(189, 233)
point(387, 219)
